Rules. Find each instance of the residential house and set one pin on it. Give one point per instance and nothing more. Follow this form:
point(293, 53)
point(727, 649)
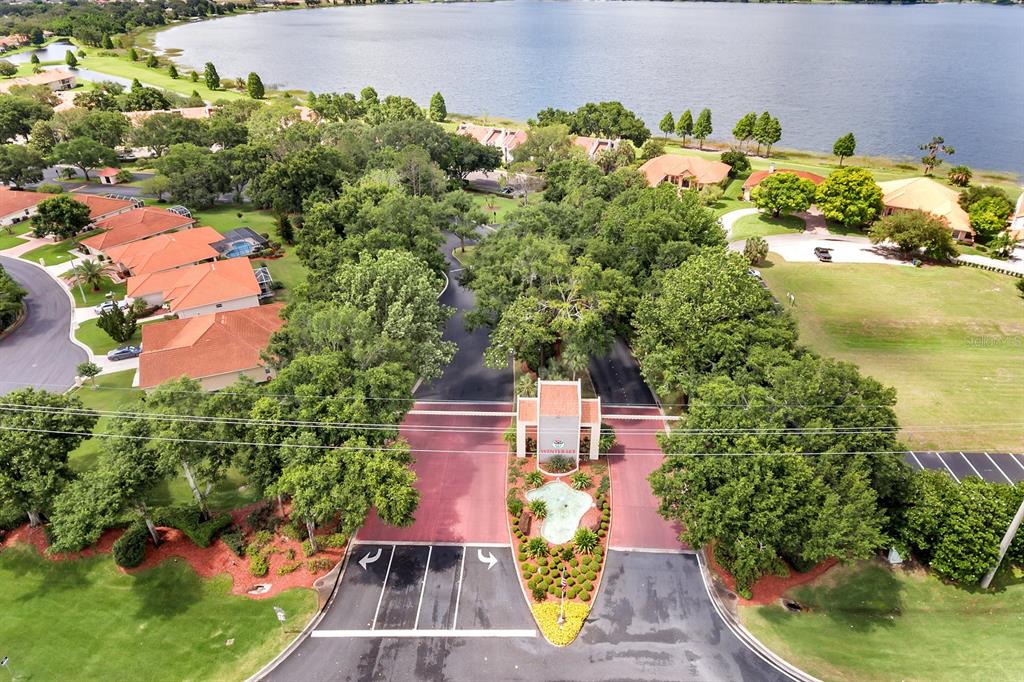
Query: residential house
point(197, 113)
point(241, 241)
point(102, 206)
point(215, 349)
point(500, 138)
point(13, 42)
point(133, 225)
point(55, 79)
point(757, 176)
point(595, 145)
point(929, 196)
point(684, 171)
point(199, 289)
point(17, 205)
point(165, 252)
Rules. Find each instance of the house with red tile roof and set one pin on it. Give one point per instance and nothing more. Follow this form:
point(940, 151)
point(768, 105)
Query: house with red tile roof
point(215, 349)
point(929, 196)
point(55, 79)
point(17, 205)
point(165, 252)
point(593, 146)
point(500, 138)
point(102, 207)
point(199, 289)
point(556, 419)
point(134, 225)
point(757, 176)
point(197, 113)
point(684, 171)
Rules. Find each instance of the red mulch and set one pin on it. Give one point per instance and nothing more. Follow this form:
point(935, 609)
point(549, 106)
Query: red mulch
point(208, 562)
point(770, 587)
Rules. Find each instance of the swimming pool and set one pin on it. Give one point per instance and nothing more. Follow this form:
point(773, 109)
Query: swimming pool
point(239, 249)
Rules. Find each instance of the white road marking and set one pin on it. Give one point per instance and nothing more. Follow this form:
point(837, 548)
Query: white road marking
point(430, 544)
point(914, 455)
point(972, 466)
point(489, 559)
point(458, 594)
point(1015, 459)
point(382, 588)
point(1008, 479)
point(423, 588)
point(369, 559)
point(947, 467)
point(421, 633)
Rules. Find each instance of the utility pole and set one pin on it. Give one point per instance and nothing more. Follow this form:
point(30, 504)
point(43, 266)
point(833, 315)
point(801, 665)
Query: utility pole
point(1005, 545)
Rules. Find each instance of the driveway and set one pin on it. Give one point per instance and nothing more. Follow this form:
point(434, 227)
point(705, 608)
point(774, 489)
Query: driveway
point(652, 621)
point(40, 352)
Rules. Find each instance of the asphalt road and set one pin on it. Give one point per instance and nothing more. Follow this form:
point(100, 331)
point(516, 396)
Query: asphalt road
point(651, 621)
point(617, 377)
point(39, 353)
point(466, 378)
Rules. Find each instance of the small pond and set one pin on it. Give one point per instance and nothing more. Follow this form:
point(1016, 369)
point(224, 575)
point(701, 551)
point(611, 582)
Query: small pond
point(566, 508)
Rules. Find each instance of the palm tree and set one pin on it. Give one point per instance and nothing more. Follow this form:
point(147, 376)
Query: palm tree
point(89, 272)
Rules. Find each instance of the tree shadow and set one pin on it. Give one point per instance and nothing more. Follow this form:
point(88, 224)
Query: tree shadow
point(24, 562)
point(166, 590)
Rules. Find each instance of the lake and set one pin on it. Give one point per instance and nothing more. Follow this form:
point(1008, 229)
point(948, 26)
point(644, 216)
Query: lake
point(894, 75)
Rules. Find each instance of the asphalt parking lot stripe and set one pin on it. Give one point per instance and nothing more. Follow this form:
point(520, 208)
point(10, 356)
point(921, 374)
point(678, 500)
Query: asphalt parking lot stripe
point(999, 469)
point(383, 587)
point(423, 588)
point(973, 468)
point(422, 633)
point(1016, 459)
point(413, 543)
point(947, 467)
point(914, 455)
point(458, 594)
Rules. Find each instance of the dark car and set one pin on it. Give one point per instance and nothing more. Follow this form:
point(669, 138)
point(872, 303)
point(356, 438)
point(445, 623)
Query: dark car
point(823, 254)
point(126, 353)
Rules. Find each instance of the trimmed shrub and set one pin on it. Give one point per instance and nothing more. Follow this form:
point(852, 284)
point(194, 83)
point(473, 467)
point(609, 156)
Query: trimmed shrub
point(189, 520)
point(307, 548)
point(584, 596)
point(587, 586)
point(319, 564)
point(555, 591)
point(591, 576)
point(543, 570)
point(292, 531)
point(527, 567)
point(262, 518)
point(290, 567)
point(515, 506)
point(130, 549)
point(258, 565)
point(235, 540)
point(332, 541)
point(539, 593)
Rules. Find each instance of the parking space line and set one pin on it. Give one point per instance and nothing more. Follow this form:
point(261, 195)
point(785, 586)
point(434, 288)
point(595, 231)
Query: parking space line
point(939, 455)
point(423, 588)
point(383, 587)
point(972, 466)
point(999, 469)
point(421, 633)
point(1014, 458)
point(417, 543)
point(914, 455)
point(458, 594)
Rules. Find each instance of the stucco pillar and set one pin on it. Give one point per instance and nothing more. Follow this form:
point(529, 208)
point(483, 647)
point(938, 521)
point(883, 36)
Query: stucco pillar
point(595, 441)
point(520, 438)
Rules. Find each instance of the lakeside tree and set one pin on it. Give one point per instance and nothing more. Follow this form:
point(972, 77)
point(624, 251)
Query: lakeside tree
point(915, 232)
point(849, 196)
point(254, 86)
point(172, 71)
point(20, 165)
point(70, 59)
point(7, 69)
point(84, 153)
point(702, 129)
point(35, 442)
point(211, 77)
point(960, 176)
point(62, 216)
point(152, 62)
point(599, 119)
point(844, 147)
point(744, 128)
point(667, 124)
point(767, 131)
point(933, 149)
point(109, 128)
point(438, 108)
point(684, 126)
point(737, 160)
point(989, 216)
point(780, 193)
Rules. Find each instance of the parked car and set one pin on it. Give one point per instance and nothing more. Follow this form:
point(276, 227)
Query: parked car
point(126, 353)
point(754, 273)
point(108, 305)
point(823, 254)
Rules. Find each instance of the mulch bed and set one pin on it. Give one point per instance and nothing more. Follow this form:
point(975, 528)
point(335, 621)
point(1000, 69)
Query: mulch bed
point(768, 589)
point(217, 559)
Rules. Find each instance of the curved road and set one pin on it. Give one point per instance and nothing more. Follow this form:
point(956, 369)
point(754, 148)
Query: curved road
point(40, 352)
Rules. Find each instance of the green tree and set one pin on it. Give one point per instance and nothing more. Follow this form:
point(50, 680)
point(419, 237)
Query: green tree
point(152, 62)
point(783, 193)
point(702, 129)
point(89, 272)
point(243, 163)
point(88, 370)
point(755, 250)
point(11, 298)
point(254, 86)
point(463, 214)
point(36, 36)
point(287, 183)
point(20, 165)
point(393, 108)
point(988, 216)
point(156, 186)
point(737, 160)
point(196, 176)
point(172, 71)
point(133, 54)
point(438, 109)
point(960, 176)
point(770, 133)
point(849, 196)
point(417, 173)
point(932, 149)
point(544, 145)
point(108, 44)
point(70, 59)
point(161, 130)
point(18, 114)
point(667, 124)
point(109, 128)
point(84, 153)
point(39, 431)
point(7, 69)
point(119, 324)
point(844, 147)
point(62, 216)
point(211, 77)
point(915, 232)
point(684, 126)
point(744, 129)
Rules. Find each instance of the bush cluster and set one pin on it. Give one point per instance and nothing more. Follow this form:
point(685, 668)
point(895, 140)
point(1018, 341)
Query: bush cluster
point(189, 520)
point(234, 538)
point(318, 564)
point(289, 567)
point(130, 549)
point(259, 564)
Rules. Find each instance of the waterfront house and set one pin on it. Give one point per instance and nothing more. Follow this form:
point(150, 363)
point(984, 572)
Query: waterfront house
point(593, 146)
point(685, 171)
point(196, 113)
point(55, 79)
point(199, 289)
point(500, 138)
point(929, 196)
point(757, 176)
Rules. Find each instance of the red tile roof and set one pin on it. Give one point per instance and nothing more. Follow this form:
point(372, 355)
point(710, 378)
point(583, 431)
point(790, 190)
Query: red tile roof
point(527, 410)
point(100, 206)
point(207, 345)
point(591, 411)
point(108, 172)
point(559, 399)
point(166, 251)
point(15, 201)
point(198, 285)
point(757, 176)
point(136, 224)
point(703, 171)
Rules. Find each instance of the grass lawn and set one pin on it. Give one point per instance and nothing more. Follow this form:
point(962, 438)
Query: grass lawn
point(495, 206)
point(94, 298)
point(948, 339)
point(732, 199)
point(165, 623)
point(464, 256)
point(99, 341)
point(866, 622)
point(288, 270)
point(7, 241)
point(763, 225)
point(58, 252)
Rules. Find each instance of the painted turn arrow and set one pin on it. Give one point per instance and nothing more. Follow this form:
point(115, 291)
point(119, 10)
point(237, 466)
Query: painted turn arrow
point(489, 559)
point(368, 560)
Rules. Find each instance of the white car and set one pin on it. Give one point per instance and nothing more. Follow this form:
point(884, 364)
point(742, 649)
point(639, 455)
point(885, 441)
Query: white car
point(108, 305)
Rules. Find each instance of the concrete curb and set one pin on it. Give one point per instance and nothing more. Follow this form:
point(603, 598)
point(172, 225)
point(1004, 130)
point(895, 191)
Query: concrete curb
point(744, 635)
point(18, 321)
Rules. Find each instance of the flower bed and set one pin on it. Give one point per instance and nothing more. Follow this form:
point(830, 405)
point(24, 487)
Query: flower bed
point(541, 566)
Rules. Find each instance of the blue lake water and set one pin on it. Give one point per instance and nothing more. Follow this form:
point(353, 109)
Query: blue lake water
point(894, 75)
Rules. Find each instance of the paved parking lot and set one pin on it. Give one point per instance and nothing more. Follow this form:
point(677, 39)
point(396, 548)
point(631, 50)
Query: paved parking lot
point(995, 467)
point(402, 590)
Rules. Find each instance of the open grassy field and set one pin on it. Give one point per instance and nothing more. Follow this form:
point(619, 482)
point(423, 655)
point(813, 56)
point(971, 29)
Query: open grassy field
point(763, 225)
point(950, 340)
point(495, 206)
point(867, 622)
point(165, 623)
